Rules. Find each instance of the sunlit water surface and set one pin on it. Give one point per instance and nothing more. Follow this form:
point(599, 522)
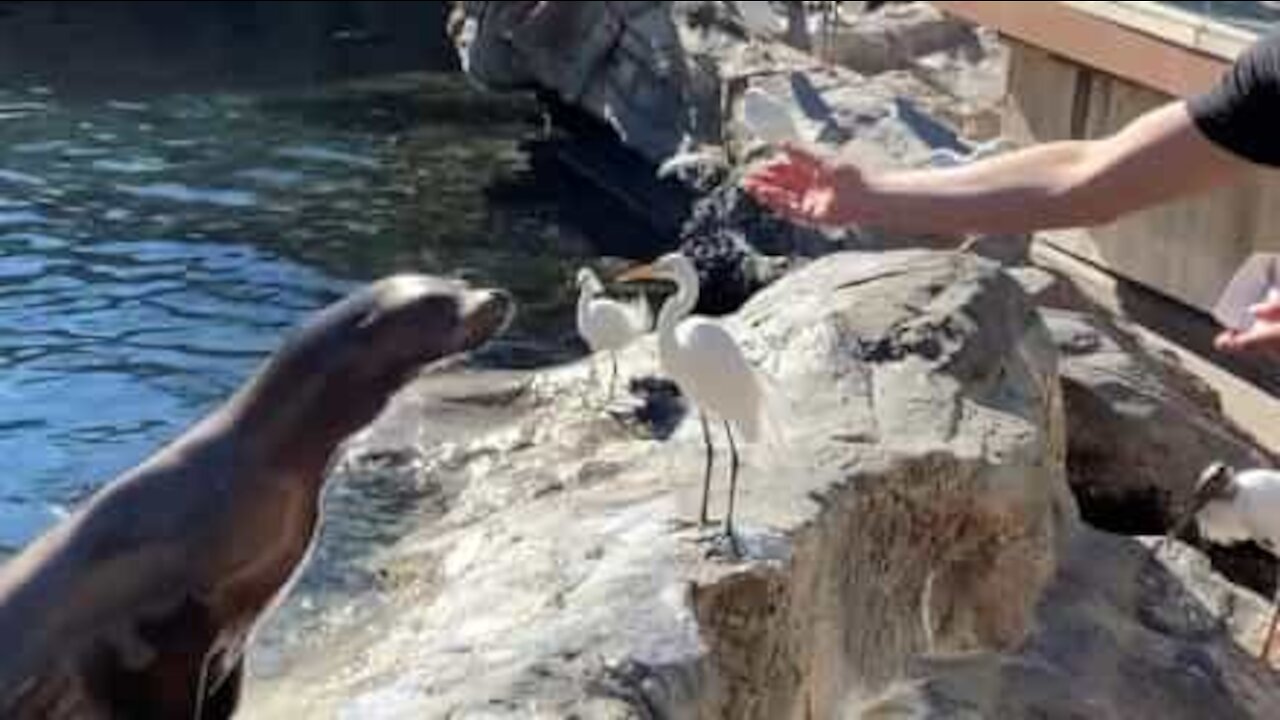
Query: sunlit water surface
point(152, 252)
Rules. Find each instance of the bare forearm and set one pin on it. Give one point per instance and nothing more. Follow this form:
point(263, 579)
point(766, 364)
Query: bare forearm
point(1023, 191)
point(1065, 184)
point(1157, 157)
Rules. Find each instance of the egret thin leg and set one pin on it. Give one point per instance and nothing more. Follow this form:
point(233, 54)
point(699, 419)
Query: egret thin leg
point(704, 518)
point(590, 385)
point(613, 375)
point(733, 485)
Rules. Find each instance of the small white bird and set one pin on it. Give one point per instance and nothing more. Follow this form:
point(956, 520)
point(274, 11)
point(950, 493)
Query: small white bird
point(1233, 507)
point(710, 369)
point(608, 325)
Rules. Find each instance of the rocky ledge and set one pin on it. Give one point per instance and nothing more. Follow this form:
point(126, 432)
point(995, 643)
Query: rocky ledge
point(913, 551)
point(920, 506)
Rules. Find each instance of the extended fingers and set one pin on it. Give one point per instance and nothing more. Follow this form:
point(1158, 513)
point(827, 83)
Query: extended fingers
point(1262, 336)
point(774, 198)
point(1269, 310)
point(782, 169)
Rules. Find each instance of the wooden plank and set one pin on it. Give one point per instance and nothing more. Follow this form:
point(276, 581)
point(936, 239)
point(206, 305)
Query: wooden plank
point(1188, 248)
point(1041, 95)
point(1264, 227)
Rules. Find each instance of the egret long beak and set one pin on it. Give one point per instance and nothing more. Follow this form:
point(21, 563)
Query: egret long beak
point(1213, 482)
point(1188, 517)
point(638, 274)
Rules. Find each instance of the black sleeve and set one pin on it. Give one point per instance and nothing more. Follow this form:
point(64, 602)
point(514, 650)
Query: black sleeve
point(1242, 114)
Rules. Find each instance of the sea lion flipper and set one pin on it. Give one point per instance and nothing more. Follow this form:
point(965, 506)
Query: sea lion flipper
point(225, 698)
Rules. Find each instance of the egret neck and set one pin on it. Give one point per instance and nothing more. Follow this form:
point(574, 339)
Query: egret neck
point(589, 287)
point(675, 309)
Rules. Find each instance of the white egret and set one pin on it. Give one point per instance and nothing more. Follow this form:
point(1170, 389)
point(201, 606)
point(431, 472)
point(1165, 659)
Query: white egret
point(608, 325)
point(1233, 507)
point(710, 369)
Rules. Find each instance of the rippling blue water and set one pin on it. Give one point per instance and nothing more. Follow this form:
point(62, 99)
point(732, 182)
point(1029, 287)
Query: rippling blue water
point(1258, 17)
point(153, 250)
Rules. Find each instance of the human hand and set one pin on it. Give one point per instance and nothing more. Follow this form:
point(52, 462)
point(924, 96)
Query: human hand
point(809, 190)
point(1261, 336)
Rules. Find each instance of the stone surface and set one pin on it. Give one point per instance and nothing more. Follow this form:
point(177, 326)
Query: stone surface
point(624, 63)
point(964, 68)
point(669, 77)
point(1119, 636)
point(894, 36)
point(918, 505)
point(1140, 429)
point(1116, 636)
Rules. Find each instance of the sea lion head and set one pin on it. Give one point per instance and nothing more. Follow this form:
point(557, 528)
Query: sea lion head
point(405, 323)
point(340, 367)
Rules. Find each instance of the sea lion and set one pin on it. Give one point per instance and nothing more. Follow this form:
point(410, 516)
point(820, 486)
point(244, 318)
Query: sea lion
point(141, 604)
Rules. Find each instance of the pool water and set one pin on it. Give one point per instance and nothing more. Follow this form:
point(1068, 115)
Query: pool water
point(153, 250)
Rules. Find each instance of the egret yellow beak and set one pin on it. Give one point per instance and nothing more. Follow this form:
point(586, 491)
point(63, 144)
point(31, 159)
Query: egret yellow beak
point(638, 274)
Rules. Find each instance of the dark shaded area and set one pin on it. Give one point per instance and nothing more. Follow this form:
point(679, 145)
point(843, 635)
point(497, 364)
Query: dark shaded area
point(1247, 564)
point(110, 49)
point(1146, 515)
point(1151, 513)
point(662, 409)
point(1134, 514)
point(618, 198)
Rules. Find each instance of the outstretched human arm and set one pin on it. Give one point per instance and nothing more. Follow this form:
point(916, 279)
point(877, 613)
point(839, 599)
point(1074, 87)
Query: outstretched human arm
point(1181, 148)
point(1159, 156)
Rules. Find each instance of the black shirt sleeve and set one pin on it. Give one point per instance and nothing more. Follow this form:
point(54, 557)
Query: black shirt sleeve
point(1242, 114)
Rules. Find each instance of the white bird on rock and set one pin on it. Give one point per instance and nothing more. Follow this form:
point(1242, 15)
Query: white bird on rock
point(1234, 507)
point(608, 325)
point(710, 369)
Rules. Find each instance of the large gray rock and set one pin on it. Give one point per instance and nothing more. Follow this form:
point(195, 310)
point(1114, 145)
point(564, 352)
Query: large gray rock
point(1119, 636)
point(919, 506)
point(623, 62)
point(895, 36)
point(669, 76)
point(1140, 429)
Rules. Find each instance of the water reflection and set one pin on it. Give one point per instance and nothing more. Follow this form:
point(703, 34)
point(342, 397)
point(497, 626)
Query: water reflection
point(153, 250)
point(94, 49)
point(161, 226)
point(1257, 17)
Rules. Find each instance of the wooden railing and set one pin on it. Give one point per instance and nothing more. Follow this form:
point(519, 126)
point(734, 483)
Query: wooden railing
point(1157, 47)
